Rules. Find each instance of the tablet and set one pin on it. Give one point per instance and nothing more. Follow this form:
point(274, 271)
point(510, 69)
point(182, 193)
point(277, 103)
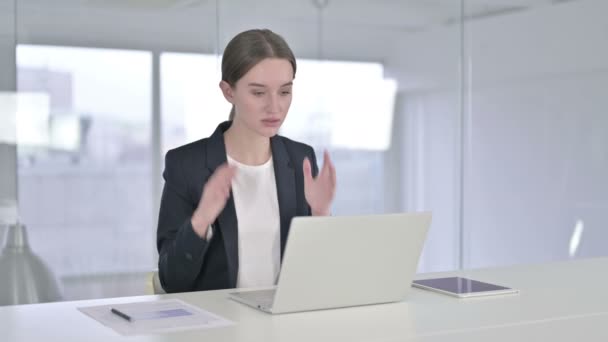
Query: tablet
point(462, 287)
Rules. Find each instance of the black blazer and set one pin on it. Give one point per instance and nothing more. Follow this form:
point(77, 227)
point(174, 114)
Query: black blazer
point(190, 263)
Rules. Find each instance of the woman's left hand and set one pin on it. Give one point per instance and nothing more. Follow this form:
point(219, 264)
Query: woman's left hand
point(320, 191)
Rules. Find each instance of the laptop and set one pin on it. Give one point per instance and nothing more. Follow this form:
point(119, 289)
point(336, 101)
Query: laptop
point(343, 261)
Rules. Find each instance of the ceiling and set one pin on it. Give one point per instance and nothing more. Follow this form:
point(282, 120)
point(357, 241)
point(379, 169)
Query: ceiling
point(397, 15)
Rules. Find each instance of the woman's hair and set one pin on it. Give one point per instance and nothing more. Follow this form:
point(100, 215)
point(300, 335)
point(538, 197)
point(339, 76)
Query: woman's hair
point(247, 49)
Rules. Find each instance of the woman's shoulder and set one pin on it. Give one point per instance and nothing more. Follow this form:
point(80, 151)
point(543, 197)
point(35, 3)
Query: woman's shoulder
point(296, 147)
point(199, 148)
point(189, 150)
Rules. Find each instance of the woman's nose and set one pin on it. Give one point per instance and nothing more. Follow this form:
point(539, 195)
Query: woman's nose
point(274, 105)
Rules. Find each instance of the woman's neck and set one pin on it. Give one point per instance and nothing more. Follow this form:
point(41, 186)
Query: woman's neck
point(246, 146)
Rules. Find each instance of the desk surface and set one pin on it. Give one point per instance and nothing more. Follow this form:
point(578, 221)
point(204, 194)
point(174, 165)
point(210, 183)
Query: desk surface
point(561, 301)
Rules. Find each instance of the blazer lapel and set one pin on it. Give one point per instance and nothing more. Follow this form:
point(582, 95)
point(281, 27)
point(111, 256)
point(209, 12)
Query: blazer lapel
point(228, 223)
point(286, 184)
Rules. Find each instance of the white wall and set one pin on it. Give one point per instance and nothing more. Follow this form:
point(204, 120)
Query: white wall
point(539, 164)
point(557, 40)
point(536, 135)
point(539, 142)
point(431, 171)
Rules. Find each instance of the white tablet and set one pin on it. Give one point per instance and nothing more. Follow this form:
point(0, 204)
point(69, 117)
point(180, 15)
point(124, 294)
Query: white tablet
point(462, 287)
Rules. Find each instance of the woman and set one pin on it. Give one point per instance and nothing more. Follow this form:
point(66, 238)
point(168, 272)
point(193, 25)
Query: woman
point(228, 199)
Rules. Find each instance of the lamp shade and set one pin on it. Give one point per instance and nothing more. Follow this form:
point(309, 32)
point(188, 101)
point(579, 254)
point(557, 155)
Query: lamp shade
point(24, 277)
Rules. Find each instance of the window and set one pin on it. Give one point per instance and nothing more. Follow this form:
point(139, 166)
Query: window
point(345, 107)
point(84, 171)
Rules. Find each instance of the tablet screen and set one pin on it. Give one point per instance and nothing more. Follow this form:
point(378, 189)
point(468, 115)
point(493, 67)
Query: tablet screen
point(459, 285)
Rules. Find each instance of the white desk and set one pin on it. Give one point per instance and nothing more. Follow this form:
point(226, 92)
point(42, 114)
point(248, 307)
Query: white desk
point(562, 301)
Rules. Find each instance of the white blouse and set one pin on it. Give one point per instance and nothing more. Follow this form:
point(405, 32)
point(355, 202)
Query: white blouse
point(254, 191)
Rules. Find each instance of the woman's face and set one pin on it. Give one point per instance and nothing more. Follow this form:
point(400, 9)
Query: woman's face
point(262, 97)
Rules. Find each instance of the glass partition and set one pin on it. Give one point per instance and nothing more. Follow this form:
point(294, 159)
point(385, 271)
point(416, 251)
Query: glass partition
point(537, 147)
point(490, 115)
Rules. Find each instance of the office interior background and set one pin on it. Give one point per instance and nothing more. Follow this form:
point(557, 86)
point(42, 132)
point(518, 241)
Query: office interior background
point(492, 114)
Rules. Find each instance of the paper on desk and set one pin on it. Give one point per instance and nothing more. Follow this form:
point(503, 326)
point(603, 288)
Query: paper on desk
point(155, 317)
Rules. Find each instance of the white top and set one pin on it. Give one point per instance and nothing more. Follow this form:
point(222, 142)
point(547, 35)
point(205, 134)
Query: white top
point(257, 210)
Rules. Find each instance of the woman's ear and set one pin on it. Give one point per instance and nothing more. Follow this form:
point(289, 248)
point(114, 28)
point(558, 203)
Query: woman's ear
point(227, 91)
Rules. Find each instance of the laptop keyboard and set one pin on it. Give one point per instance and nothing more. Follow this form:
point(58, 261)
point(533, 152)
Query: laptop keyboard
point(262, 297)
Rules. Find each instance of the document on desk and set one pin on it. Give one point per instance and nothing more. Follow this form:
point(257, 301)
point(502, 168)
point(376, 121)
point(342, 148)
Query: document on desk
point(154, 317)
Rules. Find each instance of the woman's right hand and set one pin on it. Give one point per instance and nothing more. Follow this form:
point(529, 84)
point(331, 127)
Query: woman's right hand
point(213, 200)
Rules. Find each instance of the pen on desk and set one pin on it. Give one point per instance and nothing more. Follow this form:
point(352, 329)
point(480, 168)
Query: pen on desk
point(121, 314)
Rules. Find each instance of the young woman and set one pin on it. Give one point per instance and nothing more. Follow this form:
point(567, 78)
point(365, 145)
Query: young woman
point(228, 199)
